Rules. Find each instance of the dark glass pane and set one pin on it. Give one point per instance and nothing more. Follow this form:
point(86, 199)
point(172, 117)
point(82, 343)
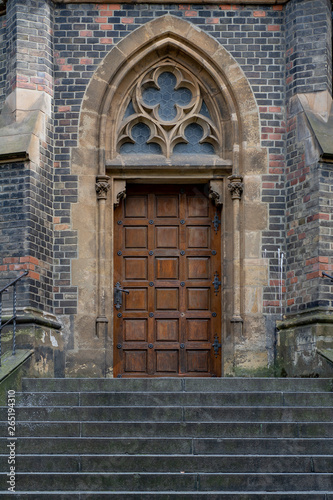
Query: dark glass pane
point(166, 96)
point(129, 110)
point(204, 110)
point(140, 134)
point(193, 134)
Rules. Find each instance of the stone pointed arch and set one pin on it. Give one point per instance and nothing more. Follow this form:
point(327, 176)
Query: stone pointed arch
point(143, 47)
point(244, 216)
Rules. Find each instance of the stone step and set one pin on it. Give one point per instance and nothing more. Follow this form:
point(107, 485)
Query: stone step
point(158, 482)
point(172, 429)
point(172, 414)
point(203, 438)
point(263, 446)
point(168, 495)
point(178, 384)
point(170, 463)
point(174, 445)
point(248, 398)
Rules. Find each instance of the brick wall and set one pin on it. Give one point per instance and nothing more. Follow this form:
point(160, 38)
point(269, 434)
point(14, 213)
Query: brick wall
point(3, 70)
point(30, 45)
point(11, 57)
point(23, 246)
point(309, 46)
point(26, 210)
point(308, 202)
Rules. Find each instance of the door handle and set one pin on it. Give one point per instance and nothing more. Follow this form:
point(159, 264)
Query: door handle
point(118, 298)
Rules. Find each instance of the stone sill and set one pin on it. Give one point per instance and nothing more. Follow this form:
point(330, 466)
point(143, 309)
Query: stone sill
point(161, 167)
point(33, 316)
point(308, 317)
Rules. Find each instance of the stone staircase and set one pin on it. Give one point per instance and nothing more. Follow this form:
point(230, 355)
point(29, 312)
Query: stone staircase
point(153, 439)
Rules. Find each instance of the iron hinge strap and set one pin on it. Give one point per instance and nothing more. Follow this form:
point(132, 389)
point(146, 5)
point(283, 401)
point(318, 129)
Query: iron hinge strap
point(216, 345)
point(216, 283)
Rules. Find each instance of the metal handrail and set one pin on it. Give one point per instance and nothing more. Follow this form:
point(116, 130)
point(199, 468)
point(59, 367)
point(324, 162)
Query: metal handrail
point(325, 275)
point(13, 318)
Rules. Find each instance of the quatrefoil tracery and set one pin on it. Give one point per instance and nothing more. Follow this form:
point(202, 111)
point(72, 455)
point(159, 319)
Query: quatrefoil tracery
point(167, 100)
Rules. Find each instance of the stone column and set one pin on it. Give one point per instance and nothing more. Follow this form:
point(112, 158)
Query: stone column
point(236, 189)
point(102, 188)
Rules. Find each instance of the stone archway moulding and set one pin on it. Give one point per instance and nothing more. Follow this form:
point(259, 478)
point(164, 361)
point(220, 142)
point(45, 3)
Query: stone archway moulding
point(124, 63)
point(139, 50)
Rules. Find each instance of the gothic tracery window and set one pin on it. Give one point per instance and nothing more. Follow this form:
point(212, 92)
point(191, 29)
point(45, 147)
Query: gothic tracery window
point(167, 114)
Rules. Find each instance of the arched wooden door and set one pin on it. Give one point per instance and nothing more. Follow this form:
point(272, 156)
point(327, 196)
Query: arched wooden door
point(167, 244)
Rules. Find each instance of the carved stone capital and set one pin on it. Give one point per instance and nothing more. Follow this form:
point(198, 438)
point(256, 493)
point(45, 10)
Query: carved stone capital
point(102, 186)
point(236, 186)
point(216, 193)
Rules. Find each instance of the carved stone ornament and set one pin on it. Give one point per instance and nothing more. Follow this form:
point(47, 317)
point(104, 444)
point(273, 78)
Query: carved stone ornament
point(166, 114)
point(102, 186)
point(236, 186)
point(216, 192)
point(119, 191)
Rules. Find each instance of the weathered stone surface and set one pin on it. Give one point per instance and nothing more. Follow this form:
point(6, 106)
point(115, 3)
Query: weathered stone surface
point(319, 113)
point(255, 216)
point(301, 338)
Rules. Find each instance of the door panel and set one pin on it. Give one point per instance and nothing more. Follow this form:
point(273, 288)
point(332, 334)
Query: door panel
point(136, 300)
point(136, 237)
point(198, 237)
point(166, 206)
point(198, 268)
point(167, 236)
point(198, 329)
point(136, 268)
point(167, 330)
point(198, 298)
point(166, 254)
point(135, 361)
point(198, 361)
point(166, 268)
point(137, 207)
point(135, 330)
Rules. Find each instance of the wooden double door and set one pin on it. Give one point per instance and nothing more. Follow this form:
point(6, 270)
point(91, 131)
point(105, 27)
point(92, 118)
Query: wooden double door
point(167, 307)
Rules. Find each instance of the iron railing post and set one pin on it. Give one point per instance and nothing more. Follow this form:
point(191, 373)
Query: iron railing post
point(14, 317)
point(0, 323)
